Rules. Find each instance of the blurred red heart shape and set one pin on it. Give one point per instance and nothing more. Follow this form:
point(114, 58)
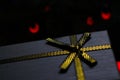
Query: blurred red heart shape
point(34, 29)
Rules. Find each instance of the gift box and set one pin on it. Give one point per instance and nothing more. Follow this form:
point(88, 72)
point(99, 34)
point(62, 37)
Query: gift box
point(38, 60)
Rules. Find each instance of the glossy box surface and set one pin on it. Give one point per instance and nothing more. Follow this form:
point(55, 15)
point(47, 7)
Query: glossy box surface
point(47, 68)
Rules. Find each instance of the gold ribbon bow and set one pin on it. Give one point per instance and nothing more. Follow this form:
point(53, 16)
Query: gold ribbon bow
point(75, 52)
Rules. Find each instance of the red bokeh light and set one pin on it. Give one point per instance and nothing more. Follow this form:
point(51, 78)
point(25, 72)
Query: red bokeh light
point(34, 29)
point(106, 15)
point(47, 8)
point(118, 65)
point(89, 21)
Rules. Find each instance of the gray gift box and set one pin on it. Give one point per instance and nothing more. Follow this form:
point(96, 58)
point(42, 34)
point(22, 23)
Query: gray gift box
point(48, 68)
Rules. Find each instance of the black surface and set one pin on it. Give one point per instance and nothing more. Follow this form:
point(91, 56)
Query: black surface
point(63, 17)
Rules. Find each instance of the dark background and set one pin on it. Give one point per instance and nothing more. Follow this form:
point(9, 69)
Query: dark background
point(56, 18)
